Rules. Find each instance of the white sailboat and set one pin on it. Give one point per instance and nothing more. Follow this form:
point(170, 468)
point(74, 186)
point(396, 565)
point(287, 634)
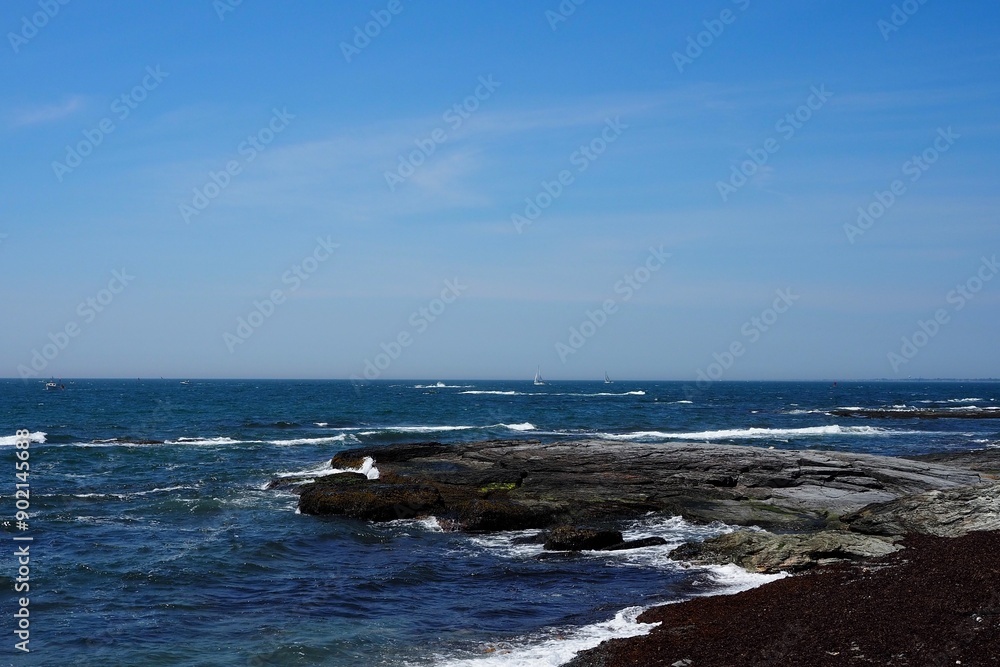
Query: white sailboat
point(538, 376)
point(607, 380)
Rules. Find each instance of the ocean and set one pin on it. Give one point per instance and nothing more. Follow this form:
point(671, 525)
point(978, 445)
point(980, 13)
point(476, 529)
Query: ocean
point(155, 541)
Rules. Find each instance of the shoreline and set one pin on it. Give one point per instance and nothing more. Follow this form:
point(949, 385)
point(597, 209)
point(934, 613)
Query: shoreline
point(937, 602)
point(874, 523)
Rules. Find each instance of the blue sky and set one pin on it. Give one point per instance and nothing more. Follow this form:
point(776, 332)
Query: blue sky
point(644, 128)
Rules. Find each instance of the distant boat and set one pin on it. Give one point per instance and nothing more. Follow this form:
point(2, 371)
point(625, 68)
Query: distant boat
point(538, 376)
point(54, 386)
point(185, 381)
point(607, 380)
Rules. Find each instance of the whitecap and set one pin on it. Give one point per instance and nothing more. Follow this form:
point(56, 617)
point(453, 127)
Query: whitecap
point(366, 468)
point(37, 436)
point(312, 441)
point(415, 429)
point(524, 426)
point(203, 441)
point(751, 433)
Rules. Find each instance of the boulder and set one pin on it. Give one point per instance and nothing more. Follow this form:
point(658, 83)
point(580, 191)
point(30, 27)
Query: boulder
point(761, 551)
point(354, 495)
point(569, 538)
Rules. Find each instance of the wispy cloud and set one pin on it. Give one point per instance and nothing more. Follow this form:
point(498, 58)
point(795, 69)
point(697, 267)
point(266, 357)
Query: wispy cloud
point(48, 113)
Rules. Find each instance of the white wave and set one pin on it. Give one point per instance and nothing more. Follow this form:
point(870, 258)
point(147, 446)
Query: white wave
point(524, 426)
point(750, 433)
point(312, 441)
point(442, 385)
point(318, 471)
point(638, 392)
point(558, 645)
point(416, 429)
point(321, 424)
point(496, 393)
point(674, 530)
point(687, 402)
point(125, 496)
point(367, 468)
point(917, 411)
point(429, 524)
point(203, 441)
point(162, 490)
point(37, 436)
point(956, 400)
point(729, 579)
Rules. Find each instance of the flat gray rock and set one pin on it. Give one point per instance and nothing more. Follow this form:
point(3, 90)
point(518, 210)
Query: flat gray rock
point(495, 485)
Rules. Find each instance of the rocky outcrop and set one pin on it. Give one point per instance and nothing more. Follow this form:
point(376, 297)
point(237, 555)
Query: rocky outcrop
point(761, 551)
point(508, 485)
point(970, 412)
point(354, 495)
point(981, 460)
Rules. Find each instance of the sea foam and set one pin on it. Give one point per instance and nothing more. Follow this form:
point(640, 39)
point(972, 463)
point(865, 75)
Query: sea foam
point(11, 440)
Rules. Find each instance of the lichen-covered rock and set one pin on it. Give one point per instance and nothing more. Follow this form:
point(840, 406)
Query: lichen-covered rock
point(761, 551)
point(947, 513)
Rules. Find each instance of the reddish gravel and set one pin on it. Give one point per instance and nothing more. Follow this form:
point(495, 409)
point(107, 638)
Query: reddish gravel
point(937, 602)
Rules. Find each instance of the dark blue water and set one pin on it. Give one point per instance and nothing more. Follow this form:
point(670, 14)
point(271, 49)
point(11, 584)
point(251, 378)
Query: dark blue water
point(155, 542)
